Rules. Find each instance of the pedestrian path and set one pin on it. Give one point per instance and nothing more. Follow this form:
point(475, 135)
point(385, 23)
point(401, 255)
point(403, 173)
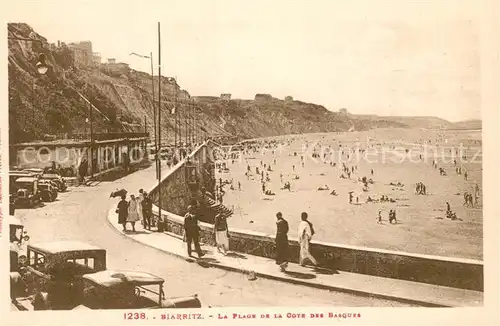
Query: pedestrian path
point(359, 284)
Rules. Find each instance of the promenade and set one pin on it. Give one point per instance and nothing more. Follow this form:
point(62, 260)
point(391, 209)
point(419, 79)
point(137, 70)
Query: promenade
point(412, 293)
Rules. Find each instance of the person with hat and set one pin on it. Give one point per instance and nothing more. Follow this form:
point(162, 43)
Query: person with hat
point(192, 231)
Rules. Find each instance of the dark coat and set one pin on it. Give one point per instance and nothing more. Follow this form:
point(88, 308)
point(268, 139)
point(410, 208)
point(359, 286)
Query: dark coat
point(147, 205)
point(122, 211)
point(220, 223)
point(191, 225)
point(281, 241)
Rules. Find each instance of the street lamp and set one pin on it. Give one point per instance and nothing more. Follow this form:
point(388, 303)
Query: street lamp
point(41, 65)
point(150, 57)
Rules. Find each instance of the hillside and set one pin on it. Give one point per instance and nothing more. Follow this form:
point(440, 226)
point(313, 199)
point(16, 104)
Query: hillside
point(468, 124)
point(51, 104)
point(412, 122)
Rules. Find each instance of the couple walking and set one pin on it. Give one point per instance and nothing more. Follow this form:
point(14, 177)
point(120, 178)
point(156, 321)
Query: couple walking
point(136, 209)
point(305, 233)
point(192, 232)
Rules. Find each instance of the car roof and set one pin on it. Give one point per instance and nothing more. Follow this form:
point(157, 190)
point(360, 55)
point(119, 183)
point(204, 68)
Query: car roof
point(26, 179)
point(54, 247)
point(110, 278)
point(20, 173)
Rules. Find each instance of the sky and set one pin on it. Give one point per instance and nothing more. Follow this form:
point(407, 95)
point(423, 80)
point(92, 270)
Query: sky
point(388, 57)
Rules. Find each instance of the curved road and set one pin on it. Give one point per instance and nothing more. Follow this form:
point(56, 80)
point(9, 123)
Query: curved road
point(80, 214)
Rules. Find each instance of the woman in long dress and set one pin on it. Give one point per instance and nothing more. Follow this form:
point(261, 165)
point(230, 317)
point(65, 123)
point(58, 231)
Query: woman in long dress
point(133, 216)
point(306, 231)
point(281, 242)
point(221, 234)
point(139, 200)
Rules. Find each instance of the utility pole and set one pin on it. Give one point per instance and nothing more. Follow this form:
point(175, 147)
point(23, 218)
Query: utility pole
point(196, 131)
point(91, 141)
point(159, 121)
point(186, 125)
point(175, 116)
point(154, 115)
point(192, 126)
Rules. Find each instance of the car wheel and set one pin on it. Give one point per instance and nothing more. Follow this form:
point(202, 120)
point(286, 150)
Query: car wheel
point(40, 301)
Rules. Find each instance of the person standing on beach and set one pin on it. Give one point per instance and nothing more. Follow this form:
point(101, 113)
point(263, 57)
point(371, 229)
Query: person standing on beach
point(305, 233)
point(281, 242)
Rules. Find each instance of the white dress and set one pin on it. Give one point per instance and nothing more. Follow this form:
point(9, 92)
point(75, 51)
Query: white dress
point(133, 216)
point(305, 235)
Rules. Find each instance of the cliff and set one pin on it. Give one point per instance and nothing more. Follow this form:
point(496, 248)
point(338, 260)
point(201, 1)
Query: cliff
point(55, 104)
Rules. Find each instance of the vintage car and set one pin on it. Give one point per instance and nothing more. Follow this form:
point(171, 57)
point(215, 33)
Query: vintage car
point(12, 203)
point(48, 190)
point(129, 290)
point(34, 171)
point(18, 239)
point(65, 275)
point(51, 276)
point(26, 190)
point(56, 178)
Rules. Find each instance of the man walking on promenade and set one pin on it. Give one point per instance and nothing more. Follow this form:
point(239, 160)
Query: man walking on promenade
point(192, 232)
point(281, 242)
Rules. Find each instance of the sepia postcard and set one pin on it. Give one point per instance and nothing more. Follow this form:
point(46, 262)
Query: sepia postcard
point(250, 162)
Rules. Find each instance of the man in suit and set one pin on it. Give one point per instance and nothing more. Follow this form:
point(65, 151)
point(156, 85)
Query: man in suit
point(147, 206)
point(192, 231)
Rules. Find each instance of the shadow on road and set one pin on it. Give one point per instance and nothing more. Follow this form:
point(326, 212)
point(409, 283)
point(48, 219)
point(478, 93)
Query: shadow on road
point(235, 255)
point(304, 276)
point(324, 271)
point(205, 262)
point(137, 232)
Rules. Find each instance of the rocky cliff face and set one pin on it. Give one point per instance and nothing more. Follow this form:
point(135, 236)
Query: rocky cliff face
point(51, 104)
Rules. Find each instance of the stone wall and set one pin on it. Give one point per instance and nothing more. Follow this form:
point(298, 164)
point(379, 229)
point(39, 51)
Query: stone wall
point(176, 192)
point(459, 273)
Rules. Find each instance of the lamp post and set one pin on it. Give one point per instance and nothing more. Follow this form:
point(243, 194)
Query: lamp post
point(41, 67)
point(150, 57)
point(159, 120)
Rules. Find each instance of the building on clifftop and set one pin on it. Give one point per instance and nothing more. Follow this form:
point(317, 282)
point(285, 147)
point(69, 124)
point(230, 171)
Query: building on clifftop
point(225, 97)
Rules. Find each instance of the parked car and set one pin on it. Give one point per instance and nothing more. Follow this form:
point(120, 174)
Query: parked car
point(35, 171)
point(27, 192)
point(48, 190)
point(55, 177)
point(18, 239)
point(129, 290)
point(51, 277)
point(66, 275)
point(12, 203)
